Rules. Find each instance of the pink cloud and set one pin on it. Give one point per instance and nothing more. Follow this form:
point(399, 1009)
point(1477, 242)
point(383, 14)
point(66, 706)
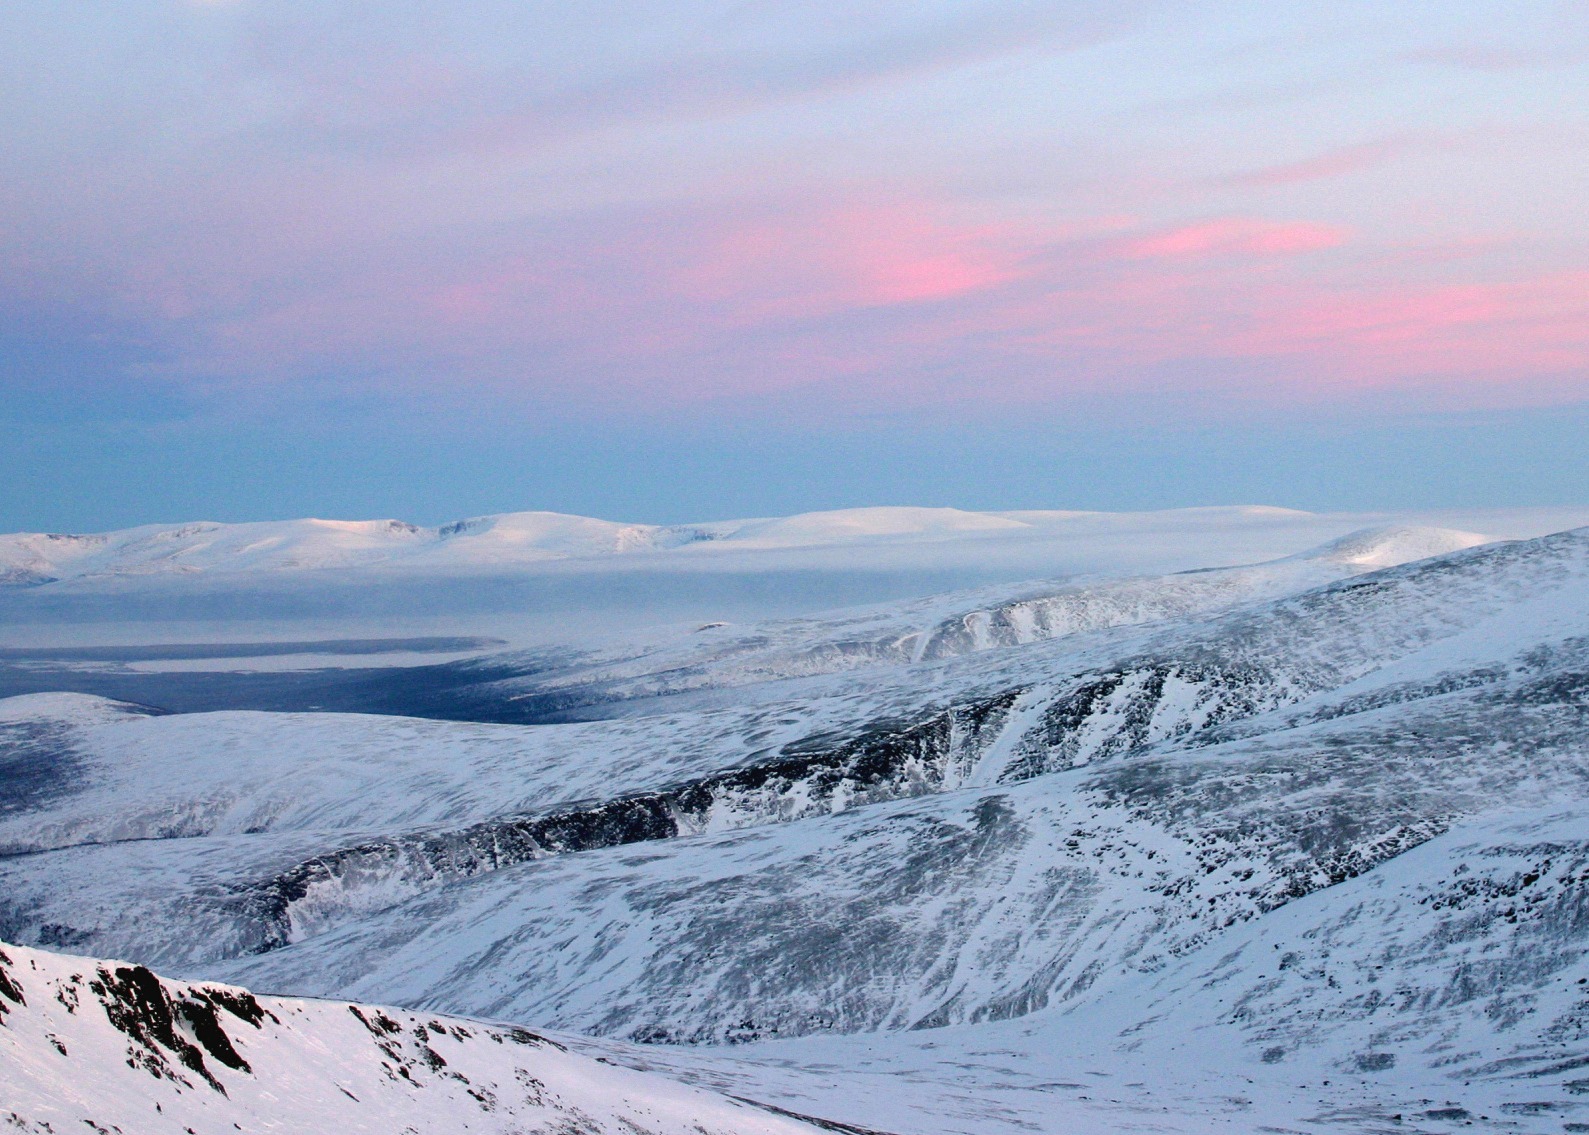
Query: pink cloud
point(1235, 236)
point(1506, 330)
point(868, 306)
point(625, 299)
point(1347, 159)
point(809, 263)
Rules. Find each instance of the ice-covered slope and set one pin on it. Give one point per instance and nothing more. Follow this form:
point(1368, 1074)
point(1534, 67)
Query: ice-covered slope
point(1077, 846)
point(1444, 990)
point(311, 823)
point(113, 1047)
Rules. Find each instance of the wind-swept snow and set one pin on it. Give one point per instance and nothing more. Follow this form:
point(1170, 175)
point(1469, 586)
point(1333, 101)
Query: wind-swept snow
point(1373, 548)
point(1269, 844)
point(113, 1047)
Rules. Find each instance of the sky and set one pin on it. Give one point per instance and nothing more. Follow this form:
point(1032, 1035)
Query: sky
point(687, 261)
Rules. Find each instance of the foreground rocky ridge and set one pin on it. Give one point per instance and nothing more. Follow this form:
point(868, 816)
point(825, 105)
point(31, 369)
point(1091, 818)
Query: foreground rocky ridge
point(114, 1047)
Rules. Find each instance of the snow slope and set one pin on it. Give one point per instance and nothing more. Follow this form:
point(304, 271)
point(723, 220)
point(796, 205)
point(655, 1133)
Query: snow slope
point(140, 776)
point(643, 670)
point(359, 812)
point(631, 671)
point(1291, 844)
point(311, 822)
point(1445, 990)
point(113, 1047)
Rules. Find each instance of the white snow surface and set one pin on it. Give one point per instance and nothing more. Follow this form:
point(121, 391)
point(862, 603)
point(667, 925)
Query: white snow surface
point(231, 773)
point(1446, 990)
point(78, 709)
point(526, 538)
point(1297, 845)
point(112, 1047)
point(538, 578)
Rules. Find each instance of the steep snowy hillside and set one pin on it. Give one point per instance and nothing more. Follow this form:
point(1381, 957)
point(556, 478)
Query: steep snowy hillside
point(1445, 990)
point(137, 833)
point(1308, 824)
point(113, 1047)
point(961, 907)
point(348, 814)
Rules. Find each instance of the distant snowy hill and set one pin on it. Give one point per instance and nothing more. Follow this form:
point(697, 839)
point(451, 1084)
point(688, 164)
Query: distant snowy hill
point(34, 558)
point(521, 538)
point(113, 1047)
point(537, 579)
point(692, 666)
point(1292, 843)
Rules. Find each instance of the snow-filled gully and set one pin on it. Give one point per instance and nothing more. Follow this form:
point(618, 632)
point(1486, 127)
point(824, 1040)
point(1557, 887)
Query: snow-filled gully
point(882, 764)
point(1092, 718)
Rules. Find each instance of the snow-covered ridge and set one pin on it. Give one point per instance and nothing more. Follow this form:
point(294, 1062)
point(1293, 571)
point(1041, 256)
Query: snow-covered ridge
point(79, 709)
point(326, 819)
point(114, 1047)
point(522, 538)
point(1309, 830)
point(34, 558)
point(1387, 546)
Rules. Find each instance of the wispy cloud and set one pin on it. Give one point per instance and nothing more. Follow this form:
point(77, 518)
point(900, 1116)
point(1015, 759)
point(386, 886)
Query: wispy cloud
point(874, 206)
point(1534, 36)
point(1235, 236)
point(1332, 163)
point(871, 306)
point(417, 81)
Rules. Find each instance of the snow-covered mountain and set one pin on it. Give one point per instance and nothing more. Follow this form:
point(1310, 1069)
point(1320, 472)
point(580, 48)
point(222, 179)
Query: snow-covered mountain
point(540, 685)
point(113, 1047)
point(1257, 846)
point(631, 670)
point(32, 558)
point(536, 580)
point(37, 558)
point(521, 539)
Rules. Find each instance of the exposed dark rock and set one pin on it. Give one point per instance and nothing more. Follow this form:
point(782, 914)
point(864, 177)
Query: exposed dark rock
point(885, 763)
point(137, 1004)
point(9, 989)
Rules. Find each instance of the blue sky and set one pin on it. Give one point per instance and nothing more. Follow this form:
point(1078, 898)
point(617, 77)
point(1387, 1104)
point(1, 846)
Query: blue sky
point(666, 262)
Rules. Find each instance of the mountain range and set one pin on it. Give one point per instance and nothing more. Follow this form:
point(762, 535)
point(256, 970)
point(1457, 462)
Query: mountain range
point(1284, 845)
